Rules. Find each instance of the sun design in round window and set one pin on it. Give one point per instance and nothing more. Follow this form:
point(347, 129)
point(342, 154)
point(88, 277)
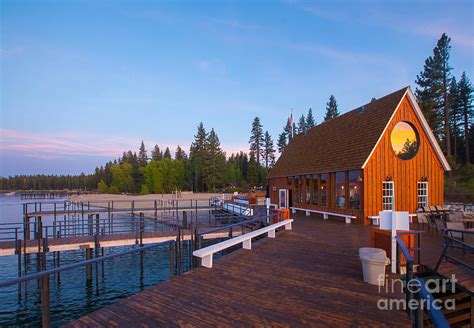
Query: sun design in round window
point(405, 140)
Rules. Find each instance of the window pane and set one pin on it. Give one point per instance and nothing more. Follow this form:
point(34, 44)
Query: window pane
point(340, 190)
point(324, 178)
point(354, 189)
point(315, 190)
point(405, 140)
point(308, 190)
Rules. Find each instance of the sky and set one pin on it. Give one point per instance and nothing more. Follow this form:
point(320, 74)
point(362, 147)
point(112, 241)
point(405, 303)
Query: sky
point(83, 81)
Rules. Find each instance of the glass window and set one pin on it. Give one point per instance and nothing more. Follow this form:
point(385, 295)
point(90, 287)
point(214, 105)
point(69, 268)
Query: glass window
point(387, 195)
point(355, 185)
point(422, 194)
point(301, 193)
point(323, 185)
point(316, 189)
point(308, 189)
point(341, 189)
point(297, 190)
point(282, 197)
point(405, 140)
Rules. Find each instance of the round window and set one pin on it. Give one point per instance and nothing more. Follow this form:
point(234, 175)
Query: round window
point(405, 140)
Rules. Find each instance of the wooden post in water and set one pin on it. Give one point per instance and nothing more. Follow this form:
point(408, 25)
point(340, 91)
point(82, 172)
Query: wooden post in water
point(142, 227)
point(26, 223)
point(89, 267)
point(45, 314)
point(172, 258)
point(19, 268)
point(90, 224)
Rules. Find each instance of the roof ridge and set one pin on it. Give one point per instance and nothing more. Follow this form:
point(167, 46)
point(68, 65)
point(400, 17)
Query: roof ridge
point(357, 108)
point(341, 143)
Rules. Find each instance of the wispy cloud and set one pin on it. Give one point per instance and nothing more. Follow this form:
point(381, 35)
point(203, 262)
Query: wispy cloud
point(57, 145)
point(378, 15)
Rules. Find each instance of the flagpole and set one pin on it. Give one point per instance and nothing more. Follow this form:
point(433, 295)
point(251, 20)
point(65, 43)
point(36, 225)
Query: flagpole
point(292, 125)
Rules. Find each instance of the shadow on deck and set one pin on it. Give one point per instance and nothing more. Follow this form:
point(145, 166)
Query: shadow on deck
point(305, 277)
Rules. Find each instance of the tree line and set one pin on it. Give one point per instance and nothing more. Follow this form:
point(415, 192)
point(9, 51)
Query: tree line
point(447, 103)
point(205, 168)
point(305, 123)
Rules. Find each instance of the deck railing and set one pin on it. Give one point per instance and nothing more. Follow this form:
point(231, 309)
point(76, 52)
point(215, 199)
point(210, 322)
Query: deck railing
point(43, 277)
point(421, 295)
point(453, 242)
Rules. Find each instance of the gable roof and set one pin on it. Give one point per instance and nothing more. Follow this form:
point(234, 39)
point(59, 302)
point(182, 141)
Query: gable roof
point(347, 141)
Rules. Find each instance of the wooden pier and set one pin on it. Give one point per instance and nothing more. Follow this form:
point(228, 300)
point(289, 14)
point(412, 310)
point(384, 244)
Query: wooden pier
point(119, 239)
point(309, 276)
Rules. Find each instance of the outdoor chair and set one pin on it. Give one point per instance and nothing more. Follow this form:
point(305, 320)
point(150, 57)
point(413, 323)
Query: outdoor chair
point(456, 216)
point(423, 218)
point(444, 213)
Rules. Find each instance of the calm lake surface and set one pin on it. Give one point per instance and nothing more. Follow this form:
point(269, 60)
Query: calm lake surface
point(72, 295)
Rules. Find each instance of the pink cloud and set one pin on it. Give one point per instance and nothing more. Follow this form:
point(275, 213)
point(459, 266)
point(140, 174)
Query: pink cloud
point(54, 145)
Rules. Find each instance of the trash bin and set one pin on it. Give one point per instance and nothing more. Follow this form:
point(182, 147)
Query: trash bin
point(374, 261)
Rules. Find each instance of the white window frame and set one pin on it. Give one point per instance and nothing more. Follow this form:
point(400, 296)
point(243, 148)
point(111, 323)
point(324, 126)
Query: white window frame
point(285, 198)
point(388, 195)
point(422, 194)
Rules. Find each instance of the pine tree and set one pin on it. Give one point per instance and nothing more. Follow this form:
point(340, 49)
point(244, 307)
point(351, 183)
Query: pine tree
point(214, 162)
point(310, 122)
point(252, 176)
point(256, 141)
point(156, 154)
point(167, 153)
point(142, 155)
point(197, 154)
point(455, 114)
point(302, 125)
point(180, 154)
point(432, 93)
point(331, 109)
point(465, 102)
point(268, 150)
point(281, 144)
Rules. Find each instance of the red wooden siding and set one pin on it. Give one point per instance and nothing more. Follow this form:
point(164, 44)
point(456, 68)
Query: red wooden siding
point(405, 173)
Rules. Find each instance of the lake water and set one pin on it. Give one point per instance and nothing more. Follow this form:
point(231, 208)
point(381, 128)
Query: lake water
point(72, 295)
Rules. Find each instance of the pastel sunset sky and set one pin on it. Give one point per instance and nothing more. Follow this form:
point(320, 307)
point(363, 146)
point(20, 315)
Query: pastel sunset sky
point(82, 81)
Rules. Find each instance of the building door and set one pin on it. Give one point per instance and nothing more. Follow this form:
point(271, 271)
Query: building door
point(290, 198)
point(283, 198)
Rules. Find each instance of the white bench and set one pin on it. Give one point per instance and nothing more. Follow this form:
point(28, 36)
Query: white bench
point(206, 253)
point(348, 218)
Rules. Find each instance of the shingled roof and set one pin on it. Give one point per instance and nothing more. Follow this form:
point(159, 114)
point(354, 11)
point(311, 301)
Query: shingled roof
point(343, 143)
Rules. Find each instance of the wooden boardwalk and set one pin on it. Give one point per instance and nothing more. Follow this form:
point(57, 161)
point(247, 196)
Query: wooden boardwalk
point(8, 248)
point(309, 276)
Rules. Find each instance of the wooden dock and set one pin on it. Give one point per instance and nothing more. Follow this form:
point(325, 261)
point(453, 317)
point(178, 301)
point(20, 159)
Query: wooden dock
point(119, 239)
point(309, 276)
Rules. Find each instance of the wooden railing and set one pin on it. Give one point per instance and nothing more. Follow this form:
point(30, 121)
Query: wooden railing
point(421, 295)
point(206, 253)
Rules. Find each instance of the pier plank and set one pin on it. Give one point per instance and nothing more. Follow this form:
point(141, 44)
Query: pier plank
point(309, 276)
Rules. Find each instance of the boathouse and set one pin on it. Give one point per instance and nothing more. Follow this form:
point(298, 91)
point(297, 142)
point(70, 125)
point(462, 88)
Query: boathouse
point(380, 156)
